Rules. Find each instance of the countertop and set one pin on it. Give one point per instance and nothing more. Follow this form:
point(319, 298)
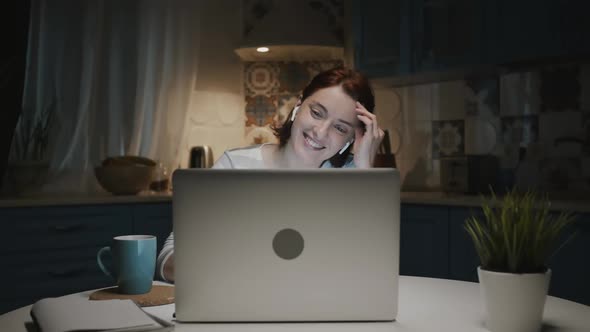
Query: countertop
point(82, 199)
point(579, 204)
point(425, 304)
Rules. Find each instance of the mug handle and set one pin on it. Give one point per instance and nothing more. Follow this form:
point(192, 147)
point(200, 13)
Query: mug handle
point(99, 261)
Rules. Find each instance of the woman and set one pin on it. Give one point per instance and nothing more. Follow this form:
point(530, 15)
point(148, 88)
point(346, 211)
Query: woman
point(332, 117)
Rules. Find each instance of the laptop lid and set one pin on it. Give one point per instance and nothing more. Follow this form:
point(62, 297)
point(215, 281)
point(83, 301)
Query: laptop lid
point(286, 245)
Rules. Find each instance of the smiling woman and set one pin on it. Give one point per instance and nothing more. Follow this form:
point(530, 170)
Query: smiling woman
point(331, 126)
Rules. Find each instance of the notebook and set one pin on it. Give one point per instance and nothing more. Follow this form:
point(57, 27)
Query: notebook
point(286, 245)
point(75, 313)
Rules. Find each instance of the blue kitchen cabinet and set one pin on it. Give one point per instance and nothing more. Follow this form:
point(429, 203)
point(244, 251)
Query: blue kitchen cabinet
point(575, 25)
point(39, 229)
point(527, 30)
point(540, 30)
point(406, 37)
point(424, 240)
point(153, 219)
point(381, 37)
point(569, 265)
point(419, 41)
point(51, 251)
point(569, 270)
point(463, 259)
point(434, 243)
point(33, 276)
point(449, 34)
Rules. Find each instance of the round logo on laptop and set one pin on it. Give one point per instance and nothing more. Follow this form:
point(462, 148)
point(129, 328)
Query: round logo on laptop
point(288, 243)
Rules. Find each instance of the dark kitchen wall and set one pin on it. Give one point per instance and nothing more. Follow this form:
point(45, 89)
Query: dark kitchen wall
point(535, 122)
point(14, 25)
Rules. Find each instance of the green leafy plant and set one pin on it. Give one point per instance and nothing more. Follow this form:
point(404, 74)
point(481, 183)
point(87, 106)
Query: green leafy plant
point(517, 234)
point(32, 133)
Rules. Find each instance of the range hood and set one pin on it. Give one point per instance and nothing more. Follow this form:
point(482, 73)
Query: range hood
point(292, 31)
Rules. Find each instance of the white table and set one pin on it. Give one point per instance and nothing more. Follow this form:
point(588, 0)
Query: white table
point(425, 304)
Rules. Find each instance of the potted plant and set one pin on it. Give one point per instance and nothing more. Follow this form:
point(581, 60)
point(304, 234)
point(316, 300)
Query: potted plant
point(514, 240)
point(28, 163)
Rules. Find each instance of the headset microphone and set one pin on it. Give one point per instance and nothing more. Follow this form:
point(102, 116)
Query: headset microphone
point(295, 110)
point(345, 146)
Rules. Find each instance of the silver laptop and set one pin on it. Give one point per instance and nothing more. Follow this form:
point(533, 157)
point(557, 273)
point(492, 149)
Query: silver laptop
point(286, 245)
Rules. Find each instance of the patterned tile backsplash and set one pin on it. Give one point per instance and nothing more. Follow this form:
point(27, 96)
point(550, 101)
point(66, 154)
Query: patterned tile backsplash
point(271, 91)
point(520, 130)
point(537, 123)
point(448, 138)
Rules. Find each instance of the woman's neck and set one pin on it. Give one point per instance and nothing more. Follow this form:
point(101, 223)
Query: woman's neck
point(285, 157)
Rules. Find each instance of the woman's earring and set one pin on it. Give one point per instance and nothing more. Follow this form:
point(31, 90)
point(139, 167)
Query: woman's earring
point(295, 110)
point(345, 147)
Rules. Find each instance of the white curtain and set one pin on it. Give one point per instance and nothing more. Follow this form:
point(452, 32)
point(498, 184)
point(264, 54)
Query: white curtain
point(117, 78)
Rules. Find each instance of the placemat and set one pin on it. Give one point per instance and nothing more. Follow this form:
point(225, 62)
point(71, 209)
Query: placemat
point(159, 295)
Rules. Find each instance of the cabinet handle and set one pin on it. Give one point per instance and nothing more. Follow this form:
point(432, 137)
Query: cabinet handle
point(67, 273)
point(66, 228)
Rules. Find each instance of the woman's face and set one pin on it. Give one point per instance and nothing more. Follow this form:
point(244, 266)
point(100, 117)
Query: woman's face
point(325, 122)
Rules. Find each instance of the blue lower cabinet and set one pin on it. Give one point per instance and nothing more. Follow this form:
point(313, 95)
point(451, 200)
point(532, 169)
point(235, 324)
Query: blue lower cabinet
point(570, 272)
point(32, 276)
point(62, 227)
point(463, 259)
point(51, 251)
point(58, 255)
point(570, 268)
point(153, 219)
point(424, 241)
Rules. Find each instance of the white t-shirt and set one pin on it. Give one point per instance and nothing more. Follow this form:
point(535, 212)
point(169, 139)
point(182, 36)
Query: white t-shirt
point(240, 158)
point(251, 158)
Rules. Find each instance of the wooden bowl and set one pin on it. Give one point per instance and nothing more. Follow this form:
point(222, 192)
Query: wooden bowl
point(128, 160)
point(121, 179)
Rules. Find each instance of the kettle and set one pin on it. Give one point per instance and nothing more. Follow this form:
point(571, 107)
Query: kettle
point(201, 157)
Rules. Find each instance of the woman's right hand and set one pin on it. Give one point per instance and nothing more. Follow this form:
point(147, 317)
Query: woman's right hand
point(169, 269)
point(367, 142)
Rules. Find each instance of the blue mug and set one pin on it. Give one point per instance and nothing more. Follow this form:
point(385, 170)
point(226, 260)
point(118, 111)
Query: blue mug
point(134, 262)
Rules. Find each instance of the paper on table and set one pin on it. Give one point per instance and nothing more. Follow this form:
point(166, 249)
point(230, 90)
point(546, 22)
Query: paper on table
point(71, 313)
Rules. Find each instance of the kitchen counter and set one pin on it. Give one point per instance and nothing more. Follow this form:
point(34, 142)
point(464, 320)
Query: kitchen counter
point(426, 304)
point(580, 204)
point(61, 200)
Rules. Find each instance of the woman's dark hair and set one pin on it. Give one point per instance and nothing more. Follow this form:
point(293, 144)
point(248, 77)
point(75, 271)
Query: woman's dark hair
point(354, 84)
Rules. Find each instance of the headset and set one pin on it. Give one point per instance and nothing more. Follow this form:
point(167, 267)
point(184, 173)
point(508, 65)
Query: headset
point(346, 146)
point(296, 109)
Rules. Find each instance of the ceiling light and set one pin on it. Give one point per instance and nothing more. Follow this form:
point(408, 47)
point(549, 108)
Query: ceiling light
point(295, 32)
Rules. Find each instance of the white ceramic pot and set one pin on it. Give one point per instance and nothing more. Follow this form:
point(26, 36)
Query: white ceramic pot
point(514, 302)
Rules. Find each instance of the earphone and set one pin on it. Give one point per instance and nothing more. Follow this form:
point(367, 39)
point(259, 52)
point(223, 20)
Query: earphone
point(295, 110)
point(345, 146)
